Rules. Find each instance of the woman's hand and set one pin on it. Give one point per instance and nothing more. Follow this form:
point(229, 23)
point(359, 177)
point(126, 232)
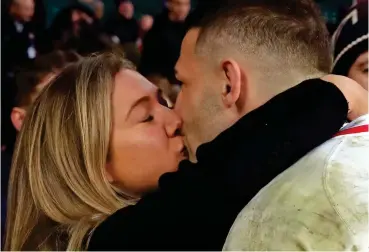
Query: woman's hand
point(355, 94)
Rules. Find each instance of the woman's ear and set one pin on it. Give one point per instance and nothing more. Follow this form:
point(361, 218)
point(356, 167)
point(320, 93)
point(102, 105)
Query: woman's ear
point(232, 86)
point(17, 117)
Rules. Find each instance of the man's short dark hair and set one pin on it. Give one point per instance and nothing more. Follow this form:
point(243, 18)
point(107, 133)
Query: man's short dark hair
point(291, 31)
point(28, 79)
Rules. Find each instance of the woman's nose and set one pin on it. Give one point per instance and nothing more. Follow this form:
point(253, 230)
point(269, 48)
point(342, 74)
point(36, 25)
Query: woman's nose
point(173, 124)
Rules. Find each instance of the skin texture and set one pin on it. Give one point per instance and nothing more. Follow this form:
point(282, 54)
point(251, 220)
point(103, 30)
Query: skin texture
point(145, 142)
point(359, 70)
point(146, 23)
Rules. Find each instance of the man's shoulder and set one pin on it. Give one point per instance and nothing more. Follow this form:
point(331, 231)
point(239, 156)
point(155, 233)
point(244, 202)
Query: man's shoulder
point(320, 202)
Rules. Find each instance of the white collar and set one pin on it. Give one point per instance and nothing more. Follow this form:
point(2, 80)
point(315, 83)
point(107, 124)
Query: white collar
point(364, 119)
point(18, 26)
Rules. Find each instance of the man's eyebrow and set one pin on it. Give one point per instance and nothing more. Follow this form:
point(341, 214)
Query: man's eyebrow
point(136, 103)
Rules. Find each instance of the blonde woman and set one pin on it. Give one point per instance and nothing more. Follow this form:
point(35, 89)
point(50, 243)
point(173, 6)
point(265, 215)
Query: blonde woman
point(90, 153)
point(66, 175)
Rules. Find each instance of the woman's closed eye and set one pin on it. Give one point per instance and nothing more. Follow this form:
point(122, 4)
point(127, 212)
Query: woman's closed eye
point(149, 118)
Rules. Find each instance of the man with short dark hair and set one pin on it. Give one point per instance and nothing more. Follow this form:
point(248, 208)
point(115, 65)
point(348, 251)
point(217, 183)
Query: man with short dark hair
point(231, 67)
point(270, 46)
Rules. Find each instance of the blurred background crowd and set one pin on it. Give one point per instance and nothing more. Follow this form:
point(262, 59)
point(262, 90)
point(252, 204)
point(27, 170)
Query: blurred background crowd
point(40, 37)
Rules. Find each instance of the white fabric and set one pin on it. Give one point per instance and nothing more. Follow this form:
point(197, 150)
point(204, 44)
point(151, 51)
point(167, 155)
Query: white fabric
point(18, 26)
point(319, 203)
point(31, 52)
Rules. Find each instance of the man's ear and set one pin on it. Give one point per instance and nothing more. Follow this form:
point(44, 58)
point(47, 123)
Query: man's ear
point(232, 87)
point(17, 116)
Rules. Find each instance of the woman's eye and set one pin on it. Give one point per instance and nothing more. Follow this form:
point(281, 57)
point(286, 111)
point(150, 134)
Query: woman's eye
point(365, 70)
point(148, 119)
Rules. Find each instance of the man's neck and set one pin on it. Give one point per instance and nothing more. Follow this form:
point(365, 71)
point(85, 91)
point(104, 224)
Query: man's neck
point(297, 104)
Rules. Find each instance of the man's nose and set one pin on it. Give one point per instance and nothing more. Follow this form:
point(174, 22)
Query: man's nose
point(173, 124)
point(176, 105)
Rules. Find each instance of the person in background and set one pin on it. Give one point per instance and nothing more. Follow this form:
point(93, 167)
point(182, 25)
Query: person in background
point(34, 79)
point(18, 48)
point(163, 41)
point(30, 82)
point(97, 6)
point(77, 28)
point(145, 24)
point(18, 35)
point(350, 42)
point(123, 28)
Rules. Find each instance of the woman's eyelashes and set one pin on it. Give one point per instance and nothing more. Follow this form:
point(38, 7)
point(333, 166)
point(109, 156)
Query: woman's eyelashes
point(161, 101)
point(148, 119)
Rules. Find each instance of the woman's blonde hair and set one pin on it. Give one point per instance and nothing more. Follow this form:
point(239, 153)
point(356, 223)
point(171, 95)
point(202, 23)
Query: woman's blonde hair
point(58, 191)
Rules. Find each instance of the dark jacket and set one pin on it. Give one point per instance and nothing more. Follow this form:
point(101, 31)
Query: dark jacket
point(161, 47)
point(125, 29)
point(195, 207)
point(15, 44)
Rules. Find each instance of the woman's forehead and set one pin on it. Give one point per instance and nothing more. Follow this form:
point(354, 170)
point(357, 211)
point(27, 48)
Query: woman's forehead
point(130, 85)
point(129, 79)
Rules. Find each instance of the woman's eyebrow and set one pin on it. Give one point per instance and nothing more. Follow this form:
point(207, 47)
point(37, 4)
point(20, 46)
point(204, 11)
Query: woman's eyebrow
point(143, 99)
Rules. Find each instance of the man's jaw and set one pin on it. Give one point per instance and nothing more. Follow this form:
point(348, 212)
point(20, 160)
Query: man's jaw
point(191, 153)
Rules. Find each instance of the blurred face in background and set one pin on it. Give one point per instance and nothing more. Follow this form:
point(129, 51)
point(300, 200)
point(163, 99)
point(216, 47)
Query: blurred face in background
point(80, 20)
point(178, 9)
point(22, 10)
point(126, 9)
point(146, 23)
point(99, 9)
point(359, 70)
